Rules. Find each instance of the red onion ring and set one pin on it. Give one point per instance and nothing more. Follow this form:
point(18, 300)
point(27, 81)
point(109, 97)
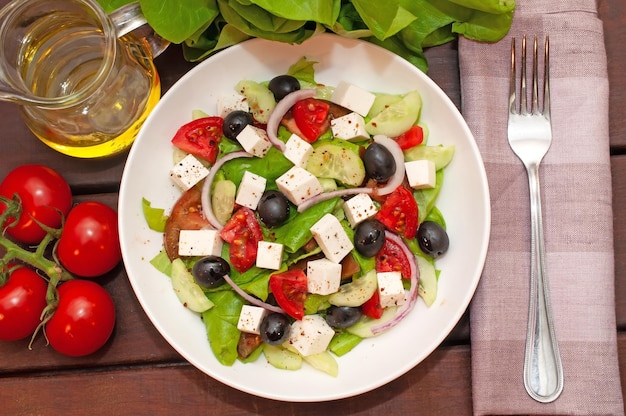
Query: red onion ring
point(408, 305)
point(205, 199)
point(398, 157)
point(254, 301)
point(308, 203)
point(279, 112)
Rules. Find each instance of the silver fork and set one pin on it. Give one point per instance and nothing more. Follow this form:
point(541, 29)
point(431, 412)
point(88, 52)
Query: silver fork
point(530, 135)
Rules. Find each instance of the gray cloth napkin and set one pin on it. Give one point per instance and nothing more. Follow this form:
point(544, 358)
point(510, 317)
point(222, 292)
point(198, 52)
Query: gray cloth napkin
point(578, 222)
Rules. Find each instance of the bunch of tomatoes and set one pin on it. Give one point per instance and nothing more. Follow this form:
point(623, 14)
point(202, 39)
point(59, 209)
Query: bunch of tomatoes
point(50, 252)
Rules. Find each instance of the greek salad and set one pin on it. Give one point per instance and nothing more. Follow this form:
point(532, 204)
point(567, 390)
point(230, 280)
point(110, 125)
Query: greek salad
point(307, 219)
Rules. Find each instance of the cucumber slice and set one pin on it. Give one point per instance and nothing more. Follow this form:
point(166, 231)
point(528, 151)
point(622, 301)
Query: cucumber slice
point(396, 118)
point(324, 361)
point(363, 328)
point(188, 291)
point(331, 160)
point(260, 99)
point(357, 292)
point(223, 200)
point(427, 287)
point(439, 155)
point(381, 102)
point(282, 358)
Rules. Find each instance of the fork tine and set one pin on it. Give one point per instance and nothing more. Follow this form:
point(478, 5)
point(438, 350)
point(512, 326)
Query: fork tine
point(512, 85)
point(523, 97)
point(535, 93)
point(546, 79)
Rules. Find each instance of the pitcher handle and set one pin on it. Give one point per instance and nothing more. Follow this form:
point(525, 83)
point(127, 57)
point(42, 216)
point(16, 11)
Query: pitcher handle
point(129, 18)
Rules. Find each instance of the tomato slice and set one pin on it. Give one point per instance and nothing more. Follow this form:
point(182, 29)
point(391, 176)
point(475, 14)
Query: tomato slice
point(399, 212)
point(311, 117)
point(243, 233)
point(391, 258)
point(290, 289)
point(200, 137)
point(372, 307)
point(412, 137)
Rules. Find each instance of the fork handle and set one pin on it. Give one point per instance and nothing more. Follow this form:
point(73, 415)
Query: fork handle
point(543, 370)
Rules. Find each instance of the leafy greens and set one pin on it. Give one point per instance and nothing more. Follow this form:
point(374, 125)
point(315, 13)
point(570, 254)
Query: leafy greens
point(405, 27)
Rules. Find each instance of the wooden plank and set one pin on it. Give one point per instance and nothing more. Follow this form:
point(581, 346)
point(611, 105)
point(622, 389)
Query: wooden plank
point(163, 390)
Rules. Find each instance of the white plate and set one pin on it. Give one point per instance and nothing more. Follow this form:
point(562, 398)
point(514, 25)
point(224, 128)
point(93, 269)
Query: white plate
point(464, 201)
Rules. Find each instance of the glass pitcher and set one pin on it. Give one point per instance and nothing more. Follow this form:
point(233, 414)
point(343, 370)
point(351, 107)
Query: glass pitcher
point(85, 80)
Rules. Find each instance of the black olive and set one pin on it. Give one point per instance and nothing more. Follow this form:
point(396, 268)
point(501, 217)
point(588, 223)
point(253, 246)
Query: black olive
point(273, 208)
point(369, 237)
point(282, 85)
point(379, 162)
point(275, 328)
point(209, 271)
point(235, 122)
point(343, 316)
point(432, 239)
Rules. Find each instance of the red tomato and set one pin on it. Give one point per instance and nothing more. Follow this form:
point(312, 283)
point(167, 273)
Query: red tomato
point(243, 233)
point(83, 320)
point(391, 258)
point(22, 300)
point(311, 117)
point(45, 197)
point(290, 289)
point(89, 243)
point(200, 137)
point(372, 307)
point(399, 212)
point(412, 137)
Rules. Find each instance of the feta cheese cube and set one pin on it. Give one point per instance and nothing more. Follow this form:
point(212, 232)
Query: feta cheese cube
point(353, 98)
point(250, 190)
point(199, 243)
point(332, 238)
point(250, 319)
point(188, 172)
point(311, 335)
point(297, 150)
point(323, 276)
point(421, 173)
point(350, 126)
point(229, 103)
point(359, 208)
point(390, 289)
point(254, 140)
point(269, 255)
point(298, 185)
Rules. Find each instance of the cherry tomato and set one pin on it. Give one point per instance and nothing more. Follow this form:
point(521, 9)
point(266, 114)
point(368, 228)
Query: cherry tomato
point(200, 137)
point(412, 137)
point(89, 243)
point(372, 307)
point(290, 289)
point(45, 197)
point(399, 212)
point(83, 320)
point(311, 117)
point(243, 234)
point(22, 300)
point(391, 258)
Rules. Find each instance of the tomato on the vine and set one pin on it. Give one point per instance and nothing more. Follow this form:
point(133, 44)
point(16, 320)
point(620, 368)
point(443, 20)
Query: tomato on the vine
point(89, 243)
point(83, 320)
point(45, 197)
point(290, 290)
point(200, 137)
point(311, 117)
point(399, 212)
point(22, 300)
point(243, 233)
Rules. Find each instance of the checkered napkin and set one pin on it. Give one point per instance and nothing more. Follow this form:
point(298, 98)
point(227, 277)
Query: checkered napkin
point(578, 222)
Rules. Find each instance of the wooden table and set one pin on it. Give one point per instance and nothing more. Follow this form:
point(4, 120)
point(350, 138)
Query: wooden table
point(138, 373)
